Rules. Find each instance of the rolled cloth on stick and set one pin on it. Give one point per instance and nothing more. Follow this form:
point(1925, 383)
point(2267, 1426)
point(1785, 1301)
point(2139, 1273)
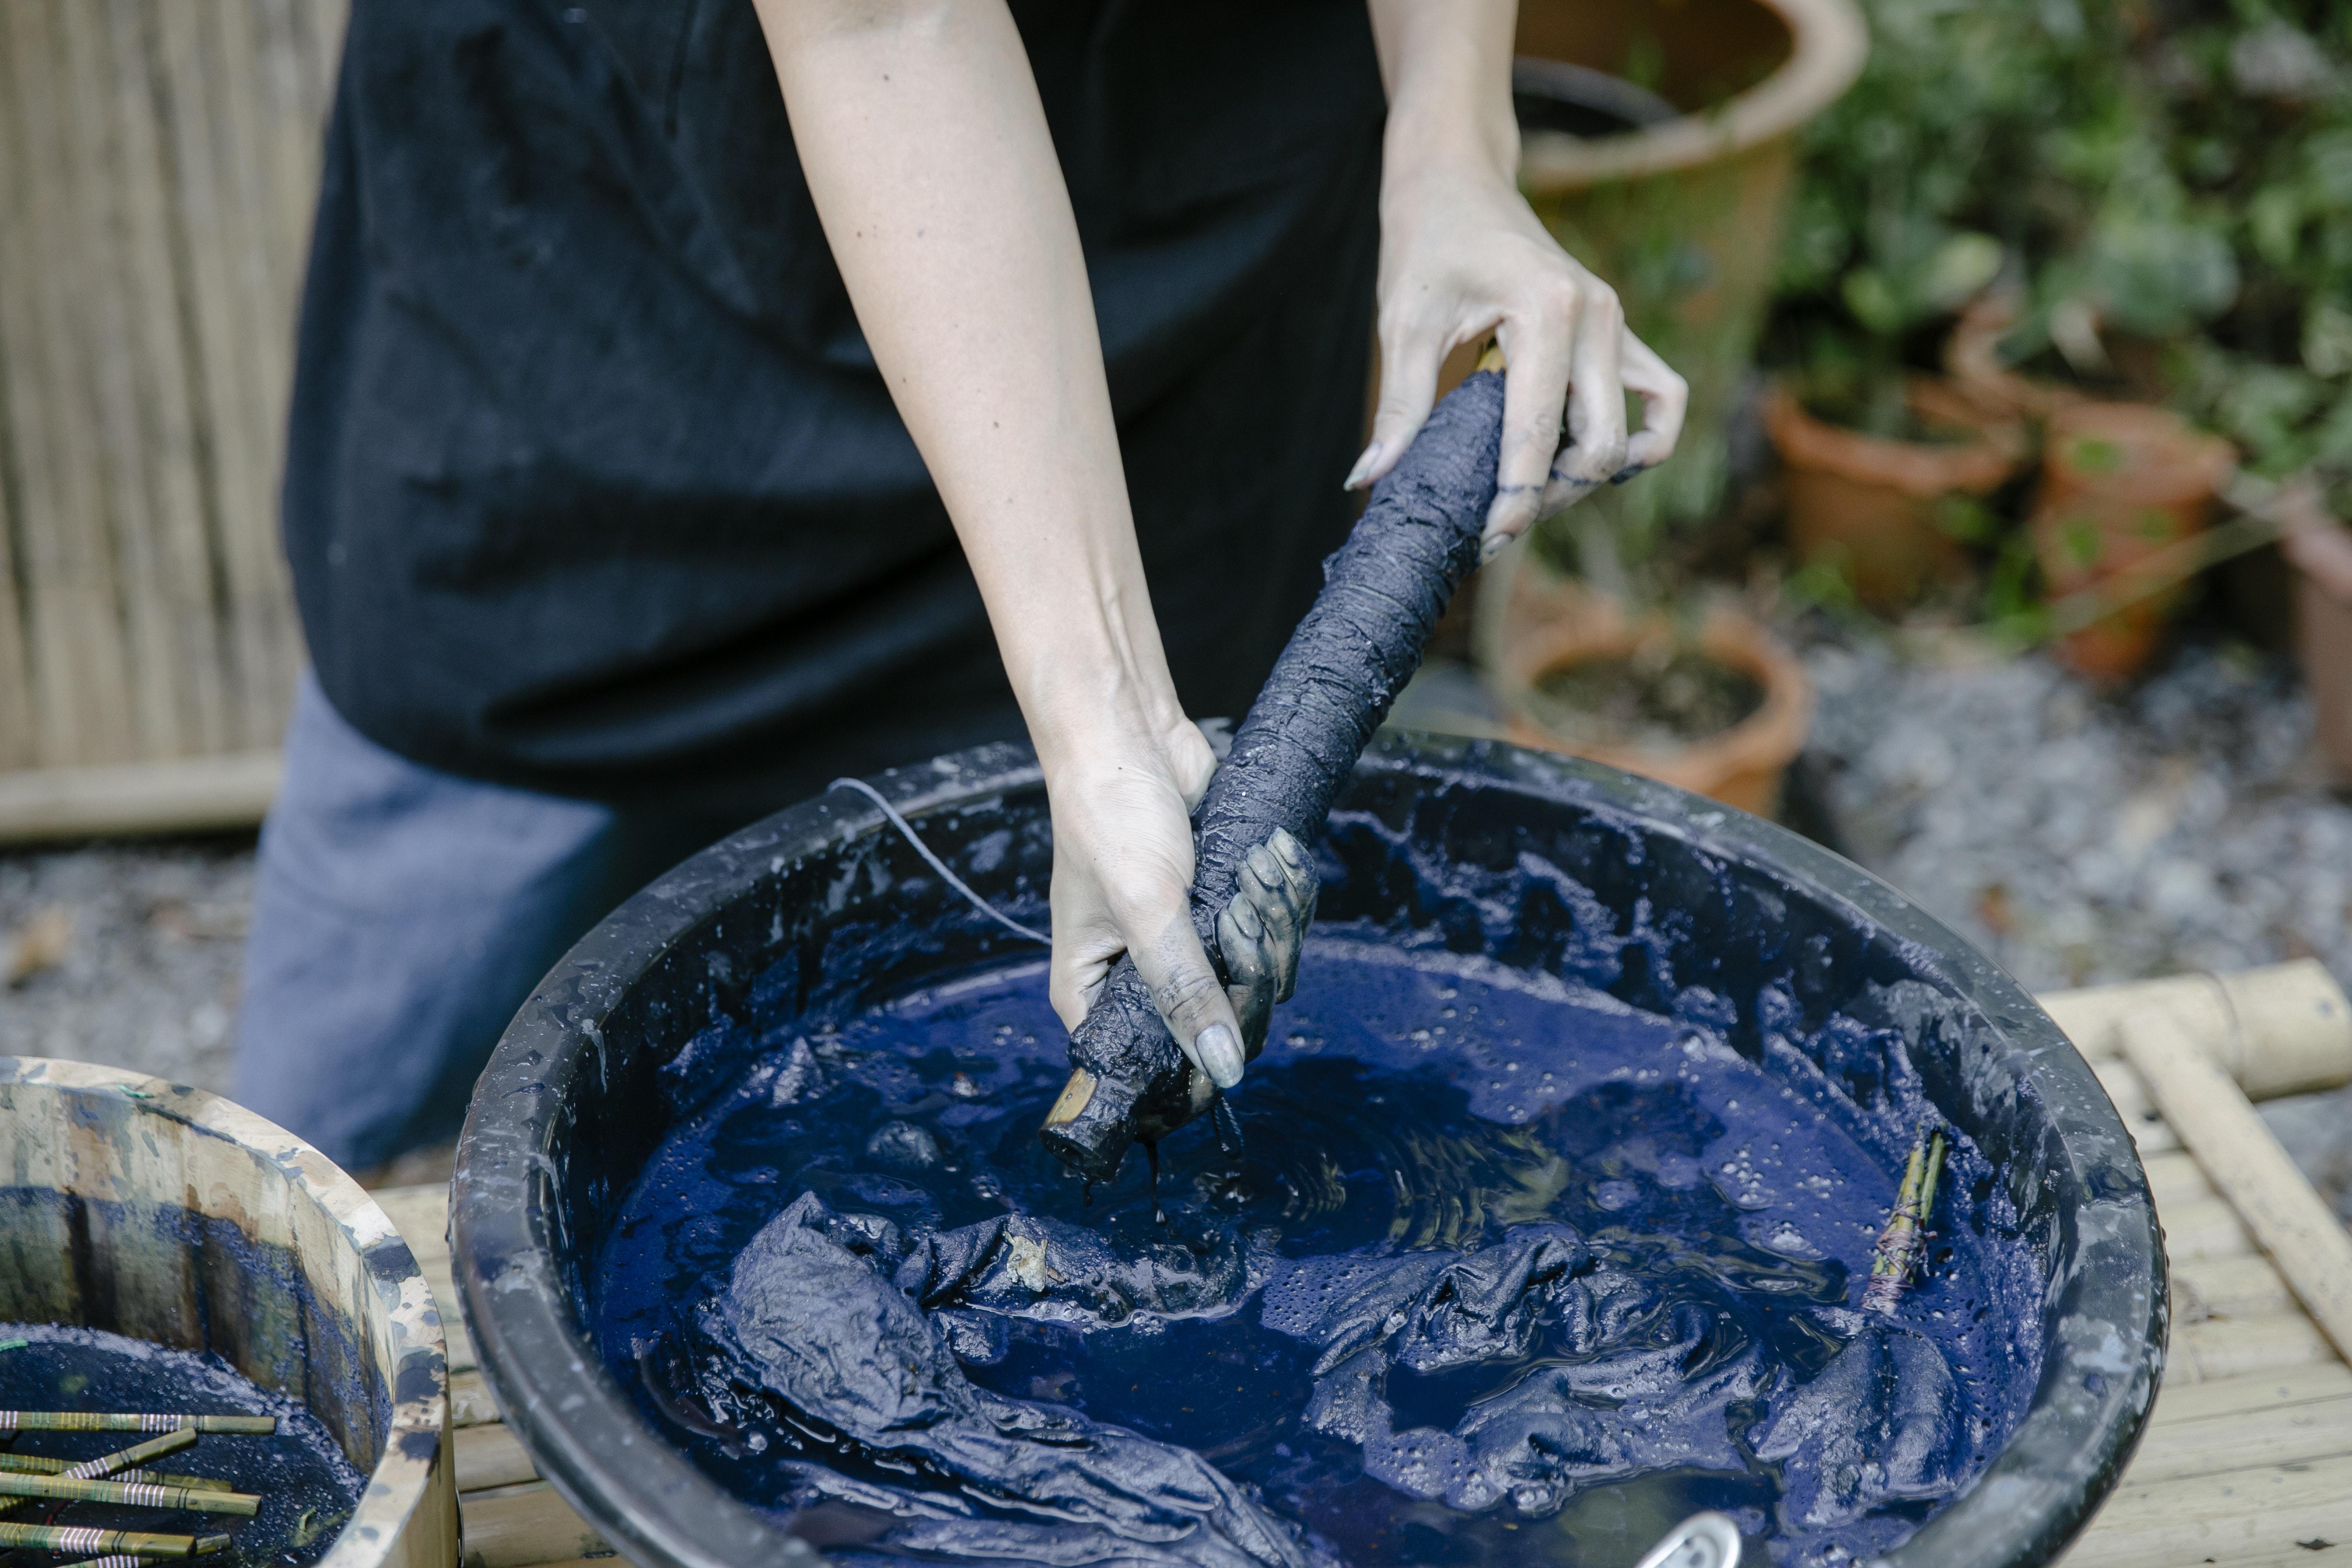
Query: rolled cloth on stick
point(1383, 590)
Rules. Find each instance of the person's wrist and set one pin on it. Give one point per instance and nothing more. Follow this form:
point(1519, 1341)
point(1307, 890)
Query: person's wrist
point(1088, 712)
point(1438, 151)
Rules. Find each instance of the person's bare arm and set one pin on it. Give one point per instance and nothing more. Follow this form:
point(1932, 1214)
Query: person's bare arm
point(1462, 256)
point(925, 146)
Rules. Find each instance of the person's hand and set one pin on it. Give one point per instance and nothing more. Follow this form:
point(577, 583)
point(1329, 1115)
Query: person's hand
point(1122, 804)
point(1463, 255)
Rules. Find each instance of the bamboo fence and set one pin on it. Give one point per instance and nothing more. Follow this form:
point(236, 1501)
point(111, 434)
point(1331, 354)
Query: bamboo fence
point(158, 166)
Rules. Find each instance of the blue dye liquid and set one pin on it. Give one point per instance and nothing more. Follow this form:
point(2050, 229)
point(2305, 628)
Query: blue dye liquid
point(308, 1488)
point(1405, 1101)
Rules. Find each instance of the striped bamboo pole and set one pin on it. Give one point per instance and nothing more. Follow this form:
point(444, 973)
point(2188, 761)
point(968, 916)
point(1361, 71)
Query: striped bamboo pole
point(130, 1494)
point(121, 1464)
point(132, 1543)
point(36, 1465)
point(138, 1454)
point(109, 1421)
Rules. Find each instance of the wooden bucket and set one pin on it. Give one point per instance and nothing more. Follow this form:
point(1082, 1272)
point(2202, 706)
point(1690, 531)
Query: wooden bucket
point(155, 1210)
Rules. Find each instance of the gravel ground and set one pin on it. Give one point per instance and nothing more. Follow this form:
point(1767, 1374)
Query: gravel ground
point(2185, 826)
point(125, 954)
point(2079, 840)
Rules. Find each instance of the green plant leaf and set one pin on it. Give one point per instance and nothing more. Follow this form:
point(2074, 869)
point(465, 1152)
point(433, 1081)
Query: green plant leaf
point(1960, 271)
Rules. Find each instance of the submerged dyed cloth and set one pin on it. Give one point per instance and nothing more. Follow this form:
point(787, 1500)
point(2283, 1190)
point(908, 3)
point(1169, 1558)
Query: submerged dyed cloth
point(814, 1310)
point(854, 1323)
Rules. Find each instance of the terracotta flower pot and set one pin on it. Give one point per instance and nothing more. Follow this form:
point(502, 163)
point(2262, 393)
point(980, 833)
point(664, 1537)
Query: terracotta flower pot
point(1684, 215)
point(1549, 625)
point(1972, 360)
point(2120, 482)
point(2320, 550)
point(1873, 505)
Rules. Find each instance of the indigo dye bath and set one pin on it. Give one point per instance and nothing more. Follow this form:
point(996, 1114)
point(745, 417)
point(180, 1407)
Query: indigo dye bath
point(1501, 1271)
point(308, 1486)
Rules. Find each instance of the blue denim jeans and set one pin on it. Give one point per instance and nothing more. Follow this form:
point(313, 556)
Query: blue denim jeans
point(401, 916)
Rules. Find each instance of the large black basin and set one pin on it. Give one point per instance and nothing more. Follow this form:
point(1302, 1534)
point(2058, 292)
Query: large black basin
point(569, 1108)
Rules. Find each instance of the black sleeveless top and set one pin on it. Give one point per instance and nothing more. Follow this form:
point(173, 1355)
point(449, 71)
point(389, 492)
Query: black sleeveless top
point(593, 485)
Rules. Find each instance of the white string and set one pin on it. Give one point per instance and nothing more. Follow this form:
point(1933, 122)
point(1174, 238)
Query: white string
point(903, 825)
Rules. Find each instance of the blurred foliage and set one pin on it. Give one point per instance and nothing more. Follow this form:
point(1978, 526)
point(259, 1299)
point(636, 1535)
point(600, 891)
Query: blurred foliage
point(2166, 188)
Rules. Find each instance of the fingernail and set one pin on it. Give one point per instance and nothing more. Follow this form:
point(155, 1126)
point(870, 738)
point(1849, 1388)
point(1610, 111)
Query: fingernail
point(1287, 847)
point(1511, 505)
point(1221, 1054)
point(1362, 474)
point(1246, 917)
point(1491, 545)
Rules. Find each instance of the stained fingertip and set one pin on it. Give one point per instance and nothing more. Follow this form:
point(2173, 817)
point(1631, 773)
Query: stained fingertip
point(1491, 545)
point(1629, 471)
point(1245, 916)
point(1288, 847)
point(1220, 1055)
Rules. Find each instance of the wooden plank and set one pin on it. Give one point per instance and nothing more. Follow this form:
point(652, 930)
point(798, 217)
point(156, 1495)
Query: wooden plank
point(2303, 1238)
point(470, 1404)
point(2198, 1231)
point(517, 1527)
point(2221, 1519)
point(193, 795)
point(243, 452)
point(2174, 1180)
point(19, 708)
point(2186, 1402)
point(266, 286)
point(2298, 1433)
point(492, 1455)
point(81, 714)
point(2149, 1132)
point(2245, 1287)
point(168, 463)
point(2235, 1347)
point(100, 250)
point(453, 1328)
point(421, 1215)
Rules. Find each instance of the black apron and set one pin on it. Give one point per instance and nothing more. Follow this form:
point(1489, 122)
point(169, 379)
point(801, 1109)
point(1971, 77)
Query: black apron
point(593, 485)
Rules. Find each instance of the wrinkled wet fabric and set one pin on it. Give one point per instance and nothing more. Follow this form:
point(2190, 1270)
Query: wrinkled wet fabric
point(813, 1314)
point(1504, 1271)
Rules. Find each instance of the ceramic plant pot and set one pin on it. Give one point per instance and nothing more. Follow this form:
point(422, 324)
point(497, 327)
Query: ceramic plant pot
point(1551, 626)
point(2320, 552)
point(1875, 507)
point(1972, 360)
point(1683, 216)
point(2120, 483)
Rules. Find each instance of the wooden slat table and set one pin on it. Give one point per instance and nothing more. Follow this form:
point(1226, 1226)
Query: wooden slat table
point(2247, 1460)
